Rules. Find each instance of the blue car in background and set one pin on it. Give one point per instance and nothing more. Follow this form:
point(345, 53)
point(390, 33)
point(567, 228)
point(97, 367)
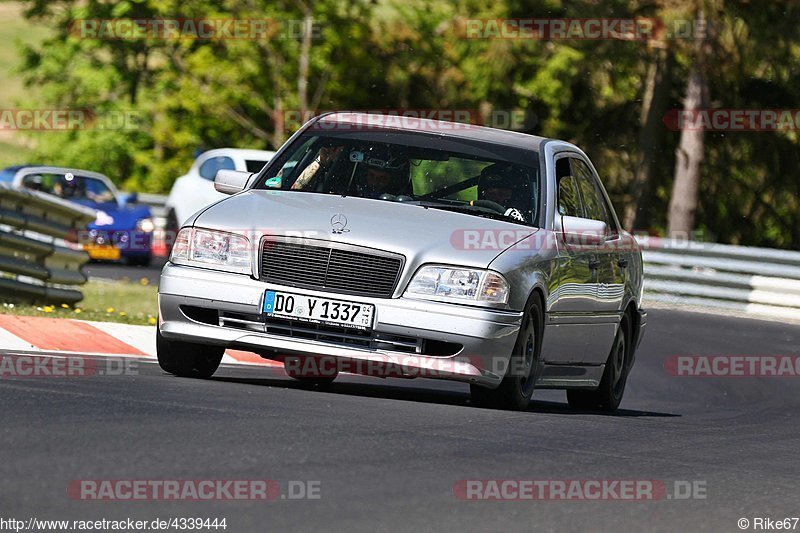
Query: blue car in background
point(123, 230)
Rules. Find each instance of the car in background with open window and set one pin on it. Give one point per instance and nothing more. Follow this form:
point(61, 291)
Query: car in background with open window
point(123, 229)
point(195, 190)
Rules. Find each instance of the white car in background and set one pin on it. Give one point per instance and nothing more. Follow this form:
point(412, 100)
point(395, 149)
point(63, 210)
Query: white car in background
point(195, 190)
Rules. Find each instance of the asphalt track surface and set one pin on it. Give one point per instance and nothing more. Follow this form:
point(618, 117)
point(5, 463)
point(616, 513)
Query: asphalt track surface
point(387, 453)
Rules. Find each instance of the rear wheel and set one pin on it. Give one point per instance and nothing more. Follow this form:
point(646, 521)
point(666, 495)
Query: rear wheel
point(524, 368)
point(187, 359)
point(609, 394)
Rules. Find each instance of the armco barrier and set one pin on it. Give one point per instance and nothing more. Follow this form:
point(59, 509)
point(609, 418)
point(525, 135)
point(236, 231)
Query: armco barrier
point(161, 239)
point(758, 281)
point(35, 264)
point(157, 203)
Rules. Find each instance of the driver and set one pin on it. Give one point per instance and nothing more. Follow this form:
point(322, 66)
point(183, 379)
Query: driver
point(68, 187)
point(505, 185)
point(383, 174)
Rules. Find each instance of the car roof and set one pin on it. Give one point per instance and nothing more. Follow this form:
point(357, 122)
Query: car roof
point(62, 170)
point(26, 171)
point(435, 127)
point(242, 152)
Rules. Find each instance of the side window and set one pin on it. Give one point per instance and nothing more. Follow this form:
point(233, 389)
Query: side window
point(593, 199)
point(208, 170)
point(568, 201)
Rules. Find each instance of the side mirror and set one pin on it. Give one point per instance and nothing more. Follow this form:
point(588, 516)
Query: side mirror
point(581, 231)
point(231, 181)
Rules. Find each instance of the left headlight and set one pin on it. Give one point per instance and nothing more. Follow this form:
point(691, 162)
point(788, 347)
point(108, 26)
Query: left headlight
point(212, 249)
point(463, 284)
point(146, 225)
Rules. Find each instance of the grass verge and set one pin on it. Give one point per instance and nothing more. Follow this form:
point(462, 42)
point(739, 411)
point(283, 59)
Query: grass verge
point(103, 301)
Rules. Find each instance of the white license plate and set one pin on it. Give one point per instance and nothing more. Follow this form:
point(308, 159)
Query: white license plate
point(318, 310)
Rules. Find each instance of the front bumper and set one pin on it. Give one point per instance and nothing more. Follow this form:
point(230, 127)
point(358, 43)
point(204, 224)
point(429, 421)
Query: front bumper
point(113, 244)
point(487, 335)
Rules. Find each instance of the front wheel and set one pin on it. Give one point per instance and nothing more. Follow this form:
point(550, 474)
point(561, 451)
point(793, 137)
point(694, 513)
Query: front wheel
point(187, 359)
point(609, 394)
point(525, 366)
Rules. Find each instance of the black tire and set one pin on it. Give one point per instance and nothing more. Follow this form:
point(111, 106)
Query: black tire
point(525, 365)
point(608, 395)
point(186, 359)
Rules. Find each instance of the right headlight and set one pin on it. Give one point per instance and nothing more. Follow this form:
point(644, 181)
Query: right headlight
point(459, 284)
point(218, 250)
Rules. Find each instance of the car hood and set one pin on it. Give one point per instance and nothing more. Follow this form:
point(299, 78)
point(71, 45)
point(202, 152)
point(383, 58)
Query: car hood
point(421, 235)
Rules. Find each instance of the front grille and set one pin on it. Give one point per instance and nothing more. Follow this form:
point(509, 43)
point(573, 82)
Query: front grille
point(330, 268)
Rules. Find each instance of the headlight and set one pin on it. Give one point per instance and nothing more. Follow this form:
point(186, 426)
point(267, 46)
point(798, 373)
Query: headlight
point(212, 249)
point(146, 225)
point(463, 284)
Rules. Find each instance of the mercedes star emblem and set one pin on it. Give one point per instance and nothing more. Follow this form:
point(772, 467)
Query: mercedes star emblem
point(339, 223)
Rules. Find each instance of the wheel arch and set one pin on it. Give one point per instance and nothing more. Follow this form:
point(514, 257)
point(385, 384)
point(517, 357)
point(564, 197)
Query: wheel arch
point(631, 311)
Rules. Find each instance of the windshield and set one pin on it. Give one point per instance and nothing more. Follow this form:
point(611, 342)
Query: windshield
point(465, 180)
point(70, 187)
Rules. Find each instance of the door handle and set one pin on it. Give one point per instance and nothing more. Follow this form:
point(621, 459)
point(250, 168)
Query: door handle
point(593, 264)
point(623, 263)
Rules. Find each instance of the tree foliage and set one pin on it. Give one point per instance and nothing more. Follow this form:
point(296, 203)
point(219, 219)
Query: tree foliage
point(189, 94)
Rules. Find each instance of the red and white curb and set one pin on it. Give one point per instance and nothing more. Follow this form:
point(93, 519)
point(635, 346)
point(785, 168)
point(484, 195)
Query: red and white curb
point(32, 334)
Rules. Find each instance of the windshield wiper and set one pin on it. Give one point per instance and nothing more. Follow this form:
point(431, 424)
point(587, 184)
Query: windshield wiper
point(463, 208)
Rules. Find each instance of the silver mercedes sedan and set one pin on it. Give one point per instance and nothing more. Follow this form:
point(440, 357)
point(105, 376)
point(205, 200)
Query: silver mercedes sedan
point(398, 247)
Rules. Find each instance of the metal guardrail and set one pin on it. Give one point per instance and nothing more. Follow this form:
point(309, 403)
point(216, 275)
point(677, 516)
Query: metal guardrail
point(157, 203)
point(158, 206)
point(758, 281)
point(35, 263)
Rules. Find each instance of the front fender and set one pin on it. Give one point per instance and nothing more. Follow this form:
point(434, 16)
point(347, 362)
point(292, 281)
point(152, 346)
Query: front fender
point(528, 265)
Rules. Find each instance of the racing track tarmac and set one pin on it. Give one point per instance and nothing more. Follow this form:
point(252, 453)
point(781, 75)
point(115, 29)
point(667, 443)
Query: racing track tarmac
point(387, 453)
